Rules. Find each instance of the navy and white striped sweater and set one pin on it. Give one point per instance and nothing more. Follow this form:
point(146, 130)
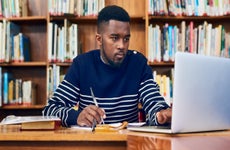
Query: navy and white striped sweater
point(117, 90)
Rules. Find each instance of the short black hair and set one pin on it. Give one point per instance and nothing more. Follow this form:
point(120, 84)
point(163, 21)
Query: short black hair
point(112, 12)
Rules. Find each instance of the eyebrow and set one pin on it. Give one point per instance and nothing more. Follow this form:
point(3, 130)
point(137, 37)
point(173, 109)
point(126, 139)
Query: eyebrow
point(114, 34)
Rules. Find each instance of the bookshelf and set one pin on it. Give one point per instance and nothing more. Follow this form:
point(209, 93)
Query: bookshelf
point(35, 26)
point(198, 18)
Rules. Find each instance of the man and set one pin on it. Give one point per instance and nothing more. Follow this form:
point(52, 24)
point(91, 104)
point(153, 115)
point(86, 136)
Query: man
point(119, 78)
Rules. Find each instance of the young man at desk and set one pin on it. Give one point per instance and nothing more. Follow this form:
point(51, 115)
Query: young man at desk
point(118, 78)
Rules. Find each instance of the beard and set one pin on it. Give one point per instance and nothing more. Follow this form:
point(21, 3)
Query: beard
point(108, 61)
point(115, 64)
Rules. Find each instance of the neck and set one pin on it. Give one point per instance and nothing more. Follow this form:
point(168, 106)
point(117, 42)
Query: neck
point(102, 59)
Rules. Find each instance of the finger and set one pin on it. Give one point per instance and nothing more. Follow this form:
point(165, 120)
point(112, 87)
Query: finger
point(161, 117)
point(85, 118)
point(168, 115)
point(84, 123)
point(96, 112)
point(82, 119)
point(91, 115)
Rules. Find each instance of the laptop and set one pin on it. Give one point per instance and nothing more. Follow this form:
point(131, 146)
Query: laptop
point(201, 95)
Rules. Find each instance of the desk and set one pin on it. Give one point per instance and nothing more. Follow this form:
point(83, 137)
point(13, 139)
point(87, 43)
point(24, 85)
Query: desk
point(11, 138)
point(219, 140)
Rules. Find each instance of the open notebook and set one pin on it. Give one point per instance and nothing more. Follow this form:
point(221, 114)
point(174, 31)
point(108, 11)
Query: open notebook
point(201, 96)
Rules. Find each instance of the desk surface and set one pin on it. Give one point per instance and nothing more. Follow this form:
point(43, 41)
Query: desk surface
point(13, 133)
point(68, 138)
point(219, 140)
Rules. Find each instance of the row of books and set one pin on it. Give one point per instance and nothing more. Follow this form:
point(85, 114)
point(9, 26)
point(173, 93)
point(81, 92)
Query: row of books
point(13, 8)
point(165, 83)
point(75, 7)
point(15, 91)
point(63, 41)
point(189, 7)
point(14, 45)
point(55, 76)
point(205, 39)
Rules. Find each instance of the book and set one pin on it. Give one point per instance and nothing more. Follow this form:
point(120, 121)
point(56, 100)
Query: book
point(16, 50)
point(18, 91)
point(23, 8)
point(24, 47)
point(12, 30)
point(33, 122)
point(5, 87)
point(11, 99)
point(29, 92)
point(50, 41)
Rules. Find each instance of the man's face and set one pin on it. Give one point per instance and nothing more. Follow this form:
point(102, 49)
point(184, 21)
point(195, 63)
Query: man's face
point(114, 41)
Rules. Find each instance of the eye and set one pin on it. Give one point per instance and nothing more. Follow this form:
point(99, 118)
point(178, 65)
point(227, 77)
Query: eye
point(126, 39)
point(114, 38)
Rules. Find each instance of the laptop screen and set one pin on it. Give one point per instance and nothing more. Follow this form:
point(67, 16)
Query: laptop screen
point(201, 98)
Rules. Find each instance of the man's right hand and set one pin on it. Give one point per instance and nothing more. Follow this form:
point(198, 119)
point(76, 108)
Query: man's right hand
point(88, 114)
point(164, 116)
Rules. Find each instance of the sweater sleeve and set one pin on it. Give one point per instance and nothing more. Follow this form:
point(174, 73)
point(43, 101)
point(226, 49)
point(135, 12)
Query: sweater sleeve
point(65, 99)
point(150, 97)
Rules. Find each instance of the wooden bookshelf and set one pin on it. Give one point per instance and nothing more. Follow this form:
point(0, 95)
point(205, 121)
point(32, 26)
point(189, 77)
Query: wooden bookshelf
point(22, 107)
point(35, 26)
point(23, 64)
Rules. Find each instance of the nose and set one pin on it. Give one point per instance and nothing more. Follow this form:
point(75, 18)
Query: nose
point(121, 44)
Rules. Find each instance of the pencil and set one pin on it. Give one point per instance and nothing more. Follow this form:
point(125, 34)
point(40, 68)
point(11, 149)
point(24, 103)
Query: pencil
point(95, 102)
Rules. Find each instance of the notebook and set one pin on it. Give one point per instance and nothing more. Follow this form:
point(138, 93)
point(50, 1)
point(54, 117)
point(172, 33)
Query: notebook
point(201, 95)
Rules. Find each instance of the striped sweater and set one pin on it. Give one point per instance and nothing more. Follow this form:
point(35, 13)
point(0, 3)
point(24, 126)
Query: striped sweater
point(118, 90)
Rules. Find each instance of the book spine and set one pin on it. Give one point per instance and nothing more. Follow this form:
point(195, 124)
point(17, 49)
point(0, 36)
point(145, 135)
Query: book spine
point(5, 88)
point(24, 46)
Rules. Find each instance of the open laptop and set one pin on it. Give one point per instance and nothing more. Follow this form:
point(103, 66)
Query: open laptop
point(201, 95)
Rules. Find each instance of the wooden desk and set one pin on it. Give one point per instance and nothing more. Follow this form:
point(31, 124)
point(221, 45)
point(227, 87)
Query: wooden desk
point(219, 140)
point(11, 138)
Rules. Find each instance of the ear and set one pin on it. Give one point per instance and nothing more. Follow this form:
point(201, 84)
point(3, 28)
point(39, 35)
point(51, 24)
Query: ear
point(99, 39)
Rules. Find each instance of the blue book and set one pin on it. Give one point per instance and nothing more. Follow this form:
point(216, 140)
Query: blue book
point(13, 29)
point(5, 88)
point(196, 9)
point(24, 46)
point(6, 78)
point(170, 30)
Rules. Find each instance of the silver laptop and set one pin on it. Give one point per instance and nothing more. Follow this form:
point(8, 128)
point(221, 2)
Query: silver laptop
point(201, 95)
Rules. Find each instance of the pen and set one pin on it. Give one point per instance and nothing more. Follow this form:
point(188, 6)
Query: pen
point(95, 102)
point(94, 124)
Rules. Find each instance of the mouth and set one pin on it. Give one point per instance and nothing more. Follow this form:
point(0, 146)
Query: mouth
point(120, 55)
